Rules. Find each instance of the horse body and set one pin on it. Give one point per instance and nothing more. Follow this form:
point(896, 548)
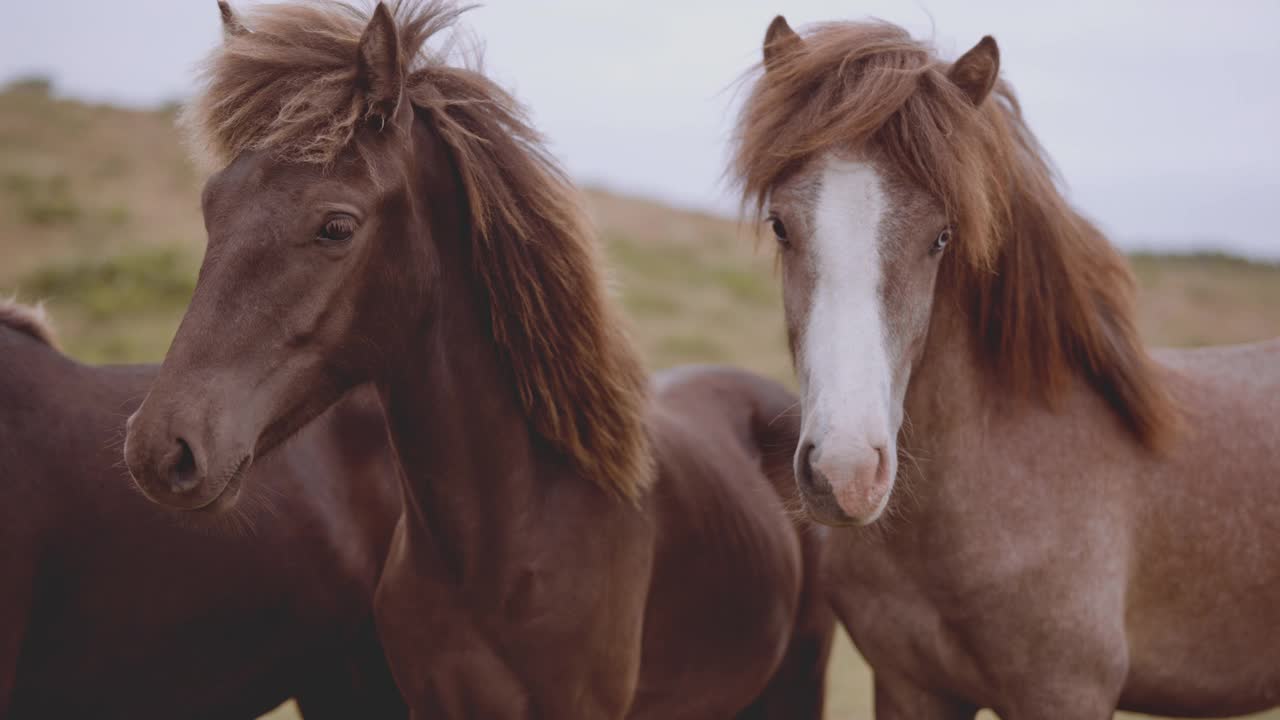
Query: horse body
point(113, 609)
point(1020, 573)
point(1208, 522)
point(1080, 525)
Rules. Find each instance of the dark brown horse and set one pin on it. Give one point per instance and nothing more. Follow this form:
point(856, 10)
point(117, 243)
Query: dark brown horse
point(569, 548)
point(1085, 525)
point(111, 607)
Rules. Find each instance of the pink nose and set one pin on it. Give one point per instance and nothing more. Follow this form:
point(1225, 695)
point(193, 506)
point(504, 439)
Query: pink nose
point(860, 480)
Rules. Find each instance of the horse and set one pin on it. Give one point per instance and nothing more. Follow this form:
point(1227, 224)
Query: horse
point(577, 541)
point(116, 608)
point(1041, 516)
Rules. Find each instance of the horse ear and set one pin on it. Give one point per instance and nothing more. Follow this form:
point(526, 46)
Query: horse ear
point(779, 40)
point(380, 73)
point(976, 71)
point(231, 25)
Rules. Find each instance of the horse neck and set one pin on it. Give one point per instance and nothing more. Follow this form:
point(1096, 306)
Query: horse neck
point(471, 465)
point(469, 462)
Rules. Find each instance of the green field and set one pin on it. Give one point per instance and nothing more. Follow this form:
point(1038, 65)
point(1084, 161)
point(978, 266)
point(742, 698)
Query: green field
point(99, 218)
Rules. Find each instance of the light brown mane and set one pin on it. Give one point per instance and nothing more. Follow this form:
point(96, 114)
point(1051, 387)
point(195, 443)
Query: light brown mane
point(1050, 300)
point(28, 319)
point(288, 87)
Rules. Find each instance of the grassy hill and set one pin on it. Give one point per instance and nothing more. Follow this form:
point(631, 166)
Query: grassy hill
point(99, 217)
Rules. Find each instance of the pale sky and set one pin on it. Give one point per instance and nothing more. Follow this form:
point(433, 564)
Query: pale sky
point(1163, 115)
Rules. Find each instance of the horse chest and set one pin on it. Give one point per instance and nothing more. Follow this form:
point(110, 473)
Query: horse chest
point(950, 618)
point(899, 629)
point(445, 650)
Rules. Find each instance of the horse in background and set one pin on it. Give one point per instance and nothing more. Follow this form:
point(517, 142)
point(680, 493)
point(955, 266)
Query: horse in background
point(1043, 517)
point(115, 608)
point(575, 543)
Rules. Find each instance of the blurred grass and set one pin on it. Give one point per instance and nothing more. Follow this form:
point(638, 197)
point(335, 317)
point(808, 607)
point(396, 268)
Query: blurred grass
point(119, 307)
point(99, 216)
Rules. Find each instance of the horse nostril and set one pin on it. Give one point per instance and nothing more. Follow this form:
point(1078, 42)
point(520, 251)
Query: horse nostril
point(882, 465)
point(810, 478)
point(183, 477)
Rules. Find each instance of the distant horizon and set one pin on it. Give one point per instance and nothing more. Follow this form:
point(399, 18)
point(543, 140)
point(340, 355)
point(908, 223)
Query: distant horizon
point(1159, 116)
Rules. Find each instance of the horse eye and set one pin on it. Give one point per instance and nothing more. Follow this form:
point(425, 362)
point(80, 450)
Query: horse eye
point(940, 243)
point(779, 229)
point(337, 229)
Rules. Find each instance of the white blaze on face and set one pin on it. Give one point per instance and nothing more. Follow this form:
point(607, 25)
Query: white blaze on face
point(845, 363)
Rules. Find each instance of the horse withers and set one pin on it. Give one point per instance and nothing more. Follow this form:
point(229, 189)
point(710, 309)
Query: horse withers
point(1059, 523)
point(573, 545)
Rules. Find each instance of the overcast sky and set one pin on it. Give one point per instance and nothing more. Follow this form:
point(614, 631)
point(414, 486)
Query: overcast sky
point(1162, 115)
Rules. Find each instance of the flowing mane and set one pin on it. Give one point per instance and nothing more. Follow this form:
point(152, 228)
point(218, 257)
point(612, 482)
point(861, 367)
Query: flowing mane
point(287, 86)
point(27, 319)
point(1049, 299)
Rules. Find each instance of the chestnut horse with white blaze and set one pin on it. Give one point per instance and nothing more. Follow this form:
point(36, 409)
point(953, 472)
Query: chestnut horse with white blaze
point(1043, 517)
point(574, 543)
